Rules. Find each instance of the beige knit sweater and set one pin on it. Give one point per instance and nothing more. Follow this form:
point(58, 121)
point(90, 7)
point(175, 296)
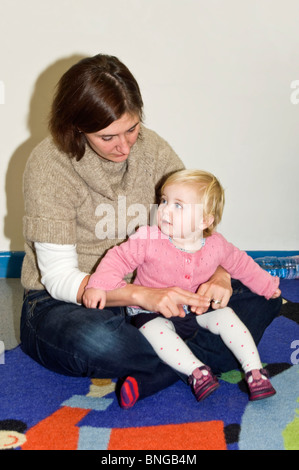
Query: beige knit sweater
point(64, 198)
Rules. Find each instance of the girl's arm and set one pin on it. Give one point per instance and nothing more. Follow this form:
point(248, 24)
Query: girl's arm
point(124, 259)
point(242, 267)
point(64, 281)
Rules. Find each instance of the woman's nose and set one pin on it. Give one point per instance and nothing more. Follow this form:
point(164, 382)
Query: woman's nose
point(123, 145)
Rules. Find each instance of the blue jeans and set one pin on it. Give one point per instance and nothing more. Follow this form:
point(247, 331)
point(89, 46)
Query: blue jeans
point(73, 340)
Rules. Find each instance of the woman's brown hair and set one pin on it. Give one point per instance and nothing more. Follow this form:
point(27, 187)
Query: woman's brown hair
point(90, 96)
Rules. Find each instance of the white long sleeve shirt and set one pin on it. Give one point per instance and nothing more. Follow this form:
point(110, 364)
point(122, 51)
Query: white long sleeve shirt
point(60, 274)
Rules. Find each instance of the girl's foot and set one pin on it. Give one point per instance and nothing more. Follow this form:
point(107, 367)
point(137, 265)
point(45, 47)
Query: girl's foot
point(129, 393)
point(203, 382)
point(259, 384)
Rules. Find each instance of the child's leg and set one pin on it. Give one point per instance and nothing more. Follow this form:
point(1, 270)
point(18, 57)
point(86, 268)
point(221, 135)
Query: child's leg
point(235, 335)
point(168, 345)
point(172, 350)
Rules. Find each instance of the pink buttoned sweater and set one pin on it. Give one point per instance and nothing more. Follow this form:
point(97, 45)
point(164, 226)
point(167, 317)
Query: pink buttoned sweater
point(160, 264)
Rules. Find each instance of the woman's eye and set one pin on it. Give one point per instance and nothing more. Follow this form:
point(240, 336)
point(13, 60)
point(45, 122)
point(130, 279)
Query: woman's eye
point(106, 138)
point(133, 128)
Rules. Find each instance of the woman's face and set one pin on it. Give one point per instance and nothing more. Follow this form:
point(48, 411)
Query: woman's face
point(115, 141)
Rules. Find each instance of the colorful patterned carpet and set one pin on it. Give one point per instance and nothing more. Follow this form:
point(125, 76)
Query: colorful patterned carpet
point(41, 410)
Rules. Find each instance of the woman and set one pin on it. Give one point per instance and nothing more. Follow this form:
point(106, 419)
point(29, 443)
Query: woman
point(82, 186)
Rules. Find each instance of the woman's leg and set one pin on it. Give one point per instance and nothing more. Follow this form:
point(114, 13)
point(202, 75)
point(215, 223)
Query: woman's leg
point(253, 310)
point(72, 340)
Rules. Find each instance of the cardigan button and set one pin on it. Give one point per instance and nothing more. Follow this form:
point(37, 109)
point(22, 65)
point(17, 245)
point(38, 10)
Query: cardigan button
point(187, 276)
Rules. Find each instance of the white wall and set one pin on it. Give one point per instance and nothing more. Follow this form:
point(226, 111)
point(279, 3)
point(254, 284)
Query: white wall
point(216, 79)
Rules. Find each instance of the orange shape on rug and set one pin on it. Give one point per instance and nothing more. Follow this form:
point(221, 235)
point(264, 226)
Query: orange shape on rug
point(188, 436)
point(56, 432)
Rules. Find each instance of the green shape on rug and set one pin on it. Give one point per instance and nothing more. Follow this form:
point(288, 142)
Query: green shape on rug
point(234, 376)
point(291, 433)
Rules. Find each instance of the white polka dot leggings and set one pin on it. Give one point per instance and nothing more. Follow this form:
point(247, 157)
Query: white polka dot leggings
point(172, 350)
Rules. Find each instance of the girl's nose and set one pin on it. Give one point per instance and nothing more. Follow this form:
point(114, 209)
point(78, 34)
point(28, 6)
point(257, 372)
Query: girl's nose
point(164, 209)
point(167, 212)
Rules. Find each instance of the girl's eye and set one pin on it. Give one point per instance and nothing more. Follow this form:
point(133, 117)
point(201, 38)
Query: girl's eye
point(178, 206)
point(163, 201)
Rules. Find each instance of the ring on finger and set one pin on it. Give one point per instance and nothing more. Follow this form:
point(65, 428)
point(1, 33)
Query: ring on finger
point(217, 302)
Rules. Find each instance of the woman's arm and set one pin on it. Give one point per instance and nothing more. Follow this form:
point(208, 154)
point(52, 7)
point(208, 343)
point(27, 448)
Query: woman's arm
point(82, 288)
point(58, 265)
point(167, 301)
point(64, 281)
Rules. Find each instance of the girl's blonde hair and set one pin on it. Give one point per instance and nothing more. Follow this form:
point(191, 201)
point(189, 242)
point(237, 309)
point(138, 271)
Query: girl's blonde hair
point(210, 192)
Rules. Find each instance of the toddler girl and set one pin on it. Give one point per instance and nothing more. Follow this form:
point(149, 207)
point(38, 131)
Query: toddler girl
point(184, 250)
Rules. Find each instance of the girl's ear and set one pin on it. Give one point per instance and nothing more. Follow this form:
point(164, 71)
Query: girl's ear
point(206, 222)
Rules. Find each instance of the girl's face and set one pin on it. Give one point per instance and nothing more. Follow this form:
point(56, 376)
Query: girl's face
point(115, 141)
point(180, 213)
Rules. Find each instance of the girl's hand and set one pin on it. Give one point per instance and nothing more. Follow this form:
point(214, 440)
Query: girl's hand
point(218, 288)
point(94, 298)
point(276, 294)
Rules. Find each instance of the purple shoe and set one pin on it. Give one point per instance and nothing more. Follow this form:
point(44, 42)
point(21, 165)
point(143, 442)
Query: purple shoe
point(259, 385)
point(203, 382)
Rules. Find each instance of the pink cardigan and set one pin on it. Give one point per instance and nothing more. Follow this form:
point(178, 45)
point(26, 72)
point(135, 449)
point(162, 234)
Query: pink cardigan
point(160, 264)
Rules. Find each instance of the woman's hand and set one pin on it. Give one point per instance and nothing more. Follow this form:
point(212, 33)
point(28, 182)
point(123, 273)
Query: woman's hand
point(169, 301)
point(82, 288)
point(218, 290)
